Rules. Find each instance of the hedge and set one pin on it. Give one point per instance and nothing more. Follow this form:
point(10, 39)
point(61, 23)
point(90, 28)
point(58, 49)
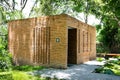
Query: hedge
point(6, 76)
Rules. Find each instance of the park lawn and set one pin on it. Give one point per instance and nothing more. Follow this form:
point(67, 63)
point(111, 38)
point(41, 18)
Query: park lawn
point(110, 67)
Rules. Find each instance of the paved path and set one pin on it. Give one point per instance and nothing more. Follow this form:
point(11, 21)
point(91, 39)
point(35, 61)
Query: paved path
point(77, 72)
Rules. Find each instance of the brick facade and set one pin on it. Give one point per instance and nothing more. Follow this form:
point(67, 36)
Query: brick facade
point(53, 41)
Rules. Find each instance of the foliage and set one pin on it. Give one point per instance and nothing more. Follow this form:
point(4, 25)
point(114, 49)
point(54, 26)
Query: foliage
point(52, 7)
point(100, 59)
point(27, 68)
point(6, 76)
point(101, 48)
point(5, 61)
point(108, 29)
point(8, 11)
point(5, 56)
point(20, 72)
point(111, 67)
point(85, 6)
point(18, 75)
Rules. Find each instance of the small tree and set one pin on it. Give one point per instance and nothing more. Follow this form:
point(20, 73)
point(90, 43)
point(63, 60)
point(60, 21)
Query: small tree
point(5, 57)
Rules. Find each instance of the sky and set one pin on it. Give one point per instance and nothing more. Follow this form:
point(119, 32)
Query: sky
point(27, 8)
point(92, 20)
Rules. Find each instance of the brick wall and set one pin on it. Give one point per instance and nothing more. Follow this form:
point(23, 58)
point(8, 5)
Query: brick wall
point(58, 50)
point(86, 40)
point(44, 41)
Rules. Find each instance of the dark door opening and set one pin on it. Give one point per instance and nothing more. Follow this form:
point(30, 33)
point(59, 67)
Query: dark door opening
point(72, 46)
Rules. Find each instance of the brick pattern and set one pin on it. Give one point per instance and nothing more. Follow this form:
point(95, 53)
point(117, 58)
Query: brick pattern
point(86, 40)
point(33, 41)
point(58, 50)
point(41, 45)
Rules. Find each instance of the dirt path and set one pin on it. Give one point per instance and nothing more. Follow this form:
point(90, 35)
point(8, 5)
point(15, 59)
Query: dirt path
point(77, 72)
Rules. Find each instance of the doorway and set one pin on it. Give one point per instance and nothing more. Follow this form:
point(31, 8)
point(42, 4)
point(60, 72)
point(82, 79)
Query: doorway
point(72, 45)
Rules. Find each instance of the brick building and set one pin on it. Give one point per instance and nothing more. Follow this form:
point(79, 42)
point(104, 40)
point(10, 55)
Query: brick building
point(53, 41)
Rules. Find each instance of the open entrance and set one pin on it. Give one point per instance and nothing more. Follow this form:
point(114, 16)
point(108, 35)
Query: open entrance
point(72, 45)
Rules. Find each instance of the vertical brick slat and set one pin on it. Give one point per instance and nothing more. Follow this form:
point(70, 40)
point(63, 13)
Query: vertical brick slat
point(34, 45)
point(37, 45)
point(48, 44)
point(39, 60)
point(42, 45)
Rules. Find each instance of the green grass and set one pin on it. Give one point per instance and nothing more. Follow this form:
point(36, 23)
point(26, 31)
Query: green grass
point(20, 72)
point(27, 68)
point(20, 75)
point(110, 67)
point(6, 76)
point(100, 59)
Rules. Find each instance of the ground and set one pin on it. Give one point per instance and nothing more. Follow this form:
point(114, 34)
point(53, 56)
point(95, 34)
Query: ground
point(77, 72)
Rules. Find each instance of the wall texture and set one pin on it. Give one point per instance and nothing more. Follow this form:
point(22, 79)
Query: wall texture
point(86, 40)
point(44, 41)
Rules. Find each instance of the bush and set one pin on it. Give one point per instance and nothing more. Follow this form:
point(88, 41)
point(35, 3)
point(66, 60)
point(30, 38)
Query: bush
point(17, 75)
point(110, 67)
point(101, 48)
point(20, 75)
point(108, 71)
point(5, 57)
point(6, 76)
point(116, 72)
point(5, 62)
point(100, 59)
point(98, 70)
point(27, 68)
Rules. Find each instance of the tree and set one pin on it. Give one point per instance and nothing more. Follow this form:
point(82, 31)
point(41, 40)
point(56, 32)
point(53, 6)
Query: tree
point(51, 7)
point(8, 11)
point(109, 30)
point(85, 6)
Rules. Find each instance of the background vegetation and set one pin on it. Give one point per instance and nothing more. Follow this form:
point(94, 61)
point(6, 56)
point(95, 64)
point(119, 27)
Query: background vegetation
point(107, 11)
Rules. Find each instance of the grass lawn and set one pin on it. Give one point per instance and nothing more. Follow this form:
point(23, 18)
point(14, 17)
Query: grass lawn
point(112, 66)
point(20, 73)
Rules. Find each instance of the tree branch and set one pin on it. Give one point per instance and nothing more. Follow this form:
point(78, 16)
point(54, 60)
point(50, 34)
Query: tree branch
point(86, 11)
point(33, 7)
point(23, 4)
point(8, 4)
point(3, 6)
point(13, 5)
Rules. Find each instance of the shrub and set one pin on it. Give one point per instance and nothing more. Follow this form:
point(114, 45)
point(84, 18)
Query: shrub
point(17, 75)
point(116, 72)
point(5, 57)
point(108, 71)
point(98, 70)
point(5, 61)
point(110, 67)
point(100, 59)
point(27, 68)
point(6, 76)
point(20, 75)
